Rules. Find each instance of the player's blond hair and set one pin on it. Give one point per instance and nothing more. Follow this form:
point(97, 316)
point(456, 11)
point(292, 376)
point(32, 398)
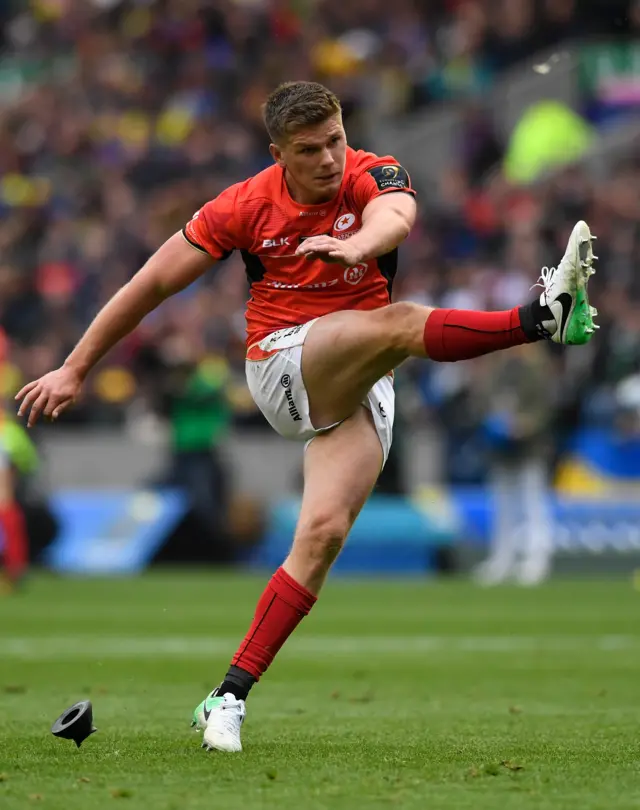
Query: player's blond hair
point(294, 105)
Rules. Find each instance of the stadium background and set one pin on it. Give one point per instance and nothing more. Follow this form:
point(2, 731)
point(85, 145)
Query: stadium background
point(515, 118)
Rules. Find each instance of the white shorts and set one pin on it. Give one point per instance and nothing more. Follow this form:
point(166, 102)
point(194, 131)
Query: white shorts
point(275, 380)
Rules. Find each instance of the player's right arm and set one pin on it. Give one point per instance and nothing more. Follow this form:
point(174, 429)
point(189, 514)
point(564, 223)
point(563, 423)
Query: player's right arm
point(172, 267)
point(183, 258)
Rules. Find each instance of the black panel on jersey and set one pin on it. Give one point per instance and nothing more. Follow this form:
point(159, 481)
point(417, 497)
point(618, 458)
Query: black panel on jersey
point(314, 236)
point(253, 265)
point(388, 265)
point(391, 176)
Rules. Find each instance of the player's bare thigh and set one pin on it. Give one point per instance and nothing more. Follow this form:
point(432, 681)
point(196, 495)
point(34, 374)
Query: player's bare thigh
point(346, 353)
point(340, 470)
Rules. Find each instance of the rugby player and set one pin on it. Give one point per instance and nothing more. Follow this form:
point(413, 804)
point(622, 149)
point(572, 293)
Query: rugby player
point(318, 232)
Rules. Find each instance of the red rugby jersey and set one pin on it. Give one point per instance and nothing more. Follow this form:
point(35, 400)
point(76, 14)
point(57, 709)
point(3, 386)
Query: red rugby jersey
point(259, 218)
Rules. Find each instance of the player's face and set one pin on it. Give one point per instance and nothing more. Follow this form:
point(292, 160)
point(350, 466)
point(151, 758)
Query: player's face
point(314, 159)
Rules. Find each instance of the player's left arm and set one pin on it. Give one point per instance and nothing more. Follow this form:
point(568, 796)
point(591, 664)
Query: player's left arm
point(386, 222)
point(384, 195)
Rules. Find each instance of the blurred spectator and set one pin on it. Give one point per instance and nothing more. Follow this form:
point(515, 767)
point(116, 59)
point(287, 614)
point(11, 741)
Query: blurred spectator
point(18, 460)
point(193, 391)
point(519, 399)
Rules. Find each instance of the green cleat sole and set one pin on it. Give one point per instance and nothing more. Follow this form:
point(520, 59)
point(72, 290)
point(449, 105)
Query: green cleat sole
point(581, 326)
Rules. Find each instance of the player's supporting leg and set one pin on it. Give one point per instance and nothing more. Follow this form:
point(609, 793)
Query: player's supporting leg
point(340, 470)
point(346, 353)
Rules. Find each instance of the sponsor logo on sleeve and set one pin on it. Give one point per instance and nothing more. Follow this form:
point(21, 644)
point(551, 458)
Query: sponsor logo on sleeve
point(390, 176)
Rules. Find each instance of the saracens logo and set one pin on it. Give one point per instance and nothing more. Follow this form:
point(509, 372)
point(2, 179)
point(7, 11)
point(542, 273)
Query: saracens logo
point(355, 274)
point(344, 222)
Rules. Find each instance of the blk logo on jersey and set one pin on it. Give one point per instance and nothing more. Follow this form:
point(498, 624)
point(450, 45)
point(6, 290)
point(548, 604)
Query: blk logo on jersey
point(344, 222)
point(354, 275)
point(271, 243)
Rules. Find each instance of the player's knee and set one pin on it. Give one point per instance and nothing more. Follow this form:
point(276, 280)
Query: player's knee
point(323, 537)
point(403, 320)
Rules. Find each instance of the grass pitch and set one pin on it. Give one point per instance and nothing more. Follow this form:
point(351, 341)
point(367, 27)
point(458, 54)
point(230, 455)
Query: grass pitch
point(410, 695)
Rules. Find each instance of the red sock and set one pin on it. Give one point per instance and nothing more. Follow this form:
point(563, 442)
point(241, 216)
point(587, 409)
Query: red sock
point(282, 606)
point(460, 334)
point(14, 536)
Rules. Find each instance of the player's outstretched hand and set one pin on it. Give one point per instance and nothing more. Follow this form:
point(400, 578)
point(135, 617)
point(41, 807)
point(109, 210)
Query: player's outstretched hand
point(50, 395)
point(328, 249)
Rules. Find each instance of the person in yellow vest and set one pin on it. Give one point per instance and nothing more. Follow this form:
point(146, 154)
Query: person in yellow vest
point(18, 457)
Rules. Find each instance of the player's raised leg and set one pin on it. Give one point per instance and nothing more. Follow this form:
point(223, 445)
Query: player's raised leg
point(345, 353)
point(340, 470)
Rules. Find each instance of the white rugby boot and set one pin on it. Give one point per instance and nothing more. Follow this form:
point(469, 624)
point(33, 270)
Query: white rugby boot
point(565, 291)
point(221, 717)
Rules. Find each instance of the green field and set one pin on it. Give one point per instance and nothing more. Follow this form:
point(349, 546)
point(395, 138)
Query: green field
point(407, 694)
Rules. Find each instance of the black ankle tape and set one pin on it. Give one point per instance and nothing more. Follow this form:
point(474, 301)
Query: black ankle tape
point(237, 681)
point(531, 320)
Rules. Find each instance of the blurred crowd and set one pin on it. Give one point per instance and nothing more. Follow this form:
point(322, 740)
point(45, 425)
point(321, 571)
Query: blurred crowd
point(118, 118)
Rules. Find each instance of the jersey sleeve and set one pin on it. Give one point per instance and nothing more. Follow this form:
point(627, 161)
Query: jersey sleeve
point(379, 179)
point(213, 228)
